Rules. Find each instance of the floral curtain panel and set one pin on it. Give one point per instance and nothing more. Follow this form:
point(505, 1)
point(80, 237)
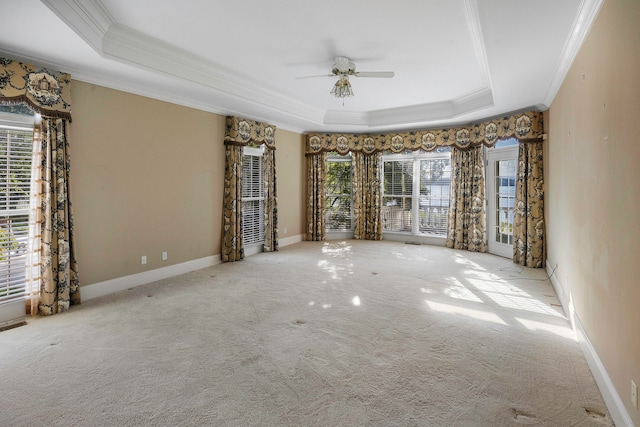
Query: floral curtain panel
point(59, 287)
point(367, 197)
point(316, 197)
point(528, 226)
point(240, 133)
point(232, 249)
point(467, 217)
point(270, 202)
point(47, 92)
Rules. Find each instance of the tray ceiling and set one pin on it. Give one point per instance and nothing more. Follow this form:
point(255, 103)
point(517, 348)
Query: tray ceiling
point(455, 61)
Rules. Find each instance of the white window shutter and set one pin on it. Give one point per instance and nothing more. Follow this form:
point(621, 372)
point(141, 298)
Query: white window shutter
point(252, 197)
point(16, 146)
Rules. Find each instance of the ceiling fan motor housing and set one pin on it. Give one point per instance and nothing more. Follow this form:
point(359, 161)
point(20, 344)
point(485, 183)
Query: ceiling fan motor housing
point(343, 66)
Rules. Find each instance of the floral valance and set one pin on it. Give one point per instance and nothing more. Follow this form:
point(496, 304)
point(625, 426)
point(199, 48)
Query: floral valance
point(244, 132)
point(46, 92)
point(523, 126)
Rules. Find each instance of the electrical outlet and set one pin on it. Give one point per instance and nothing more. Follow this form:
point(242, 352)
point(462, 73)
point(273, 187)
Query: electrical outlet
point(143, 260)
point(634, 394)
point(164, 256)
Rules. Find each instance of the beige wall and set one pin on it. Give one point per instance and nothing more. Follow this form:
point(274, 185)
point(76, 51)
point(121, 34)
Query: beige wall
point(290, 183)
point(147, 177)
point(593, 190)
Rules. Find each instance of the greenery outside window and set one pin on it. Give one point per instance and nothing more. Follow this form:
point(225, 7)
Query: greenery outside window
point(339, 198)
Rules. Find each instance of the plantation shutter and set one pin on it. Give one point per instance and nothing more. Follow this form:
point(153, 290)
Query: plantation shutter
point(252, 197)
point(16, 147)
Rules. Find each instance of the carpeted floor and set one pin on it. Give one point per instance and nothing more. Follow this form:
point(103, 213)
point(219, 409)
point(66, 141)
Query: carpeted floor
point(344, 333)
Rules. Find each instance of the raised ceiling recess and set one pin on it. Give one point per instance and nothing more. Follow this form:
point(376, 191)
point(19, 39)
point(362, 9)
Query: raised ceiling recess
point(453, 62)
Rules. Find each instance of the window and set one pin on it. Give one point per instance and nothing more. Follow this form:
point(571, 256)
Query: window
point(16, 147)
point(415, 194)
point(338, 208)
point(252, 196)
point(397, 195)
point(435, 185)
point(505, 192)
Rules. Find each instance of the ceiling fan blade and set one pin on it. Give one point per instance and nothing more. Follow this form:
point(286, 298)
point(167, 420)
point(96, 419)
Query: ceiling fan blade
point(319, 75)
point(383, 74)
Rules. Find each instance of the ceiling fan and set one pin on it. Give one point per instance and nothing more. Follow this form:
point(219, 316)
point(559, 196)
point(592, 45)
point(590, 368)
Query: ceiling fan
point(343, 68)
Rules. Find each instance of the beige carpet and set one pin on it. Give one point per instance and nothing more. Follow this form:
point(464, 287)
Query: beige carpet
point(347, 333)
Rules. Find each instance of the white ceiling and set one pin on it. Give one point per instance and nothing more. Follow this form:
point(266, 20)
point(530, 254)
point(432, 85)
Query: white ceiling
point(455, 61)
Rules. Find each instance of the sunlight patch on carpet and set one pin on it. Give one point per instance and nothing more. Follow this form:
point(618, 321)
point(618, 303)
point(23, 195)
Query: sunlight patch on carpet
point(485, 316)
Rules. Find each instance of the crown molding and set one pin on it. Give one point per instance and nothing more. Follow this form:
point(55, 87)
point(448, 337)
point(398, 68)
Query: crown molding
point(472, 16)
point(338, 117)
point(127, 45)
point(588, 11)
point(473, 101)
point(91, 21)
point(414, 114)
point(111, 40)
point(204, 103)
point(87, 18)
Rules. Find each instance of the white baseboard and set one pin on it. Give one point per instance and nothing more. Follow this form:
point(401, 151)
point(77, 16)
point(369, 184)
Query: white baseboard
point(612, 399)
point(338, 235)
point(107, 287)
point(290, 240)
point(11, 312)
point(562, 295)
point(412, 238)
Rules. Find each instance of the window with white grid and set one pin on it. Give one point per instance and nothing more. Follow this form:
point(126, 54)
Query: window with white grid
point(252, 196)
point(397, 194)
point(502, 172)
point(435, 185)
point(16, 148)
point(415, 192)
point(339, 200)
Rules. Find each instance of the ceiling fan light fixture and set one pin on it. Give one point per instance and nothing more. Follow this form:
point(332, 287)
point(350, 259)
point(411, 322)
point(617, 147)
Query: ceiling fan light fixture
point(342, 88)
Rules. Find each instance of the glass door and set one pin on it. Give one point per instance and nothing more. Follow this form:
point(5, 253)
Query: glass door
point(501, 190)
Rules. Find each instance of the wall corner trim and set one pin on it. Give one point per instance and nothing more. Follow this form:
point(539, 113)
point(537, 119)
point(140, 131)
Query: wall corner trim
point(612, 399)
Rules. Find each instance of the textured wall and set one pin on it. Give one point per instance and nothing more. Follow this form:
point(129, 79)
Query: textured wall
point(593, 190)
